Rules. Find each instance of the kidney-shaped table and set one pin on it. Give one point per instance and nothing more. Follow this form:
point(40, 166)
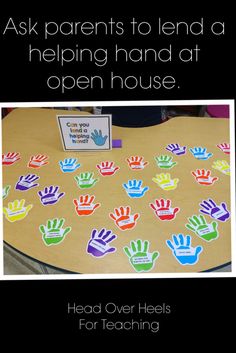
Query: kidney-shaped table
point(115, 229)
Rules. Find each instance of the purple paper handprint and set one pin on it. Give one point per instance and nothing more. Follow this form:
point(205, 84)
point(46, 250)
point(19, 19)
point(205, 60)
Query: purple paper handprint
point(98, 245)
point(215, 211)
point(176, 149)
point(26, 182)
point(50, 195)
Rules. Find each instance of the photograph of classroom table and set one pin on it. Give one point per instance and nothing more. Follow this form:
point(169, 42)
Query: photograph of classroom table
point(143, 204)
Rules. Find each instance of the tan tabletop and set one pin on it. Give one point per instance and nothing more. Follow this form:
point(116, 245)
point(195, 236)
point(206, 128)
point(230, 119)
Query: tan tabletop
point(34, 131)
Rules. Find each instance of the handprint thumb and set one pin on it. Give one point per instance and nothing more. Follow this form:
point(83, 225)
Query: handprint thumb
point(155, 256)
point(145, 189)
point(28, 208)
point(176, 210)
point(60, 195)
point(223, 204)
point(215, 179)
point(111, 250)
point(66, 231)
point(198, 250)
point(215, 225)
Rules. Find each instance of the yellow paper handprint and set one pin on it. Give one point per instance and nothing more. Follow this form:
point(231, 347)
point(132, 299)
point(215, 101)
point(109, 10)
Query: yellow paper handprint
point(16, 210)
point(165, 182)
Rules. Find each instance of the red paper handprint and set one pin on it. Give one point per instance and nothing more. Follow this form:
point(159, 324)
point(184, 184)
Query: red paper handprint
point(10, 158)
point(163, 210)
point(107, 168)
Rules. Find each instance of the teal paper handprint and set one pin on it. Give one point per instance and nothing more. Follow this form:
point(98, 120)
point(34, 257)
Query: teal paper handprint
point(85, 180)
point(97, 138)
point(53, 233)
point(182, 250)
point(206, 231)
point(165, 162)
point(69, 165)
point(139, 257)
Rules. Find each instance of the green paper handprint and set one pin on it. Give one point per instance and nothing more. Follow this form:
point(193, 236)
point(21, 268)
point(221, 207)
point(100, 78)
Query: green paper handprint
point(165, 162)
point(206, 231)
point(5, 191)
point(139, 257)
point(53, 233)
point(85, 180)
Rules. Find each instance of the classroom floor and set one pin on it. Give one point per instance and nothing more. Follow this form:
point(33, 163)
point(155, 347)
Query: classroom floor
point(18, 264)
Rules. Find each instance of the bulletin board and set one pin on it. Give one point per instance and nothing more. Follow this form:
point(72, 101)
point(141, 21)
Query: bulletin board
point(159, 204)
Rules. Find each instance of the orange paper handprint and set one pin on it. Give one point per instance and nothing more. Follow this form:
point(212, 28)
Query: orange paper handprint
point(203, 177)
point(85, 206)
point(123, 218)
point(136, 162)
point(38, 161)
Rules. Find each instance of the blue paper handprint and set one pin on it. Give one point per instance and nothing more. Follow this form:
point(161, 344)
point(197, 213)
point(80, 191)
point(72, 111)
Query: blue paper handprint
point(97, 138)
point(134, 188)
point(69, 165)
point(200, 153)
point(181, 248)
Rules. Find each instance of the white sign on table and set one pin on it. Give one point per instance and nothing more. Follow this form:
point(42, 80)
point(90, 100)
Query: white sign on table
point(85, 132)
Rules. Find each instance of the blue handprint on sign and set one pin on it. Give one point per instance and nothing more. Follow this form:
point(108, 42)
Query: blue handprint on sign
point(200, 153)
point(182, 250)
point(134, 188)
point(69, 165)
point(97, 138)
